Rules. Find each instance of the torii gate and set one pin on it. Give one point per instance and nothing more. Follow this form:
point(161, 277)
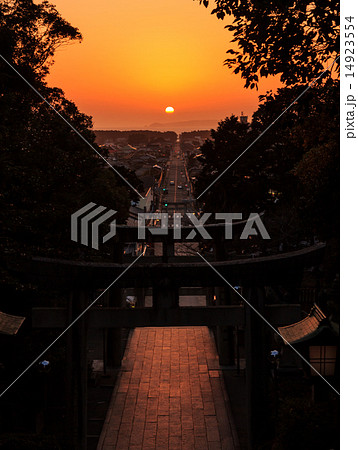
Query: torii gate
point(165, 277)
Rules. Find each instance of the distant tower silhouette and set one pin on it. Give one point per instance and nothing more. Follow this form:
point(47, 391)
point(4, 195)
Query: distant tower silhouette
point(243, 119)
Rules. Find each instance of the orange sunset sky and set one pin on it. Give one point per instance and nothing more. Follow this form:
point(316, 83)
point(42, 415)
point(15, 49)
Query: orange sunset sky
point(139, 56)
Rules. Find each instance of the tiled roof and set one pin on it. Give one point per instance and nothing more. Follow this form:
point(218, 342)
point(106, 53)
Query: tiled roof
point(305, 329)
point(10, 324)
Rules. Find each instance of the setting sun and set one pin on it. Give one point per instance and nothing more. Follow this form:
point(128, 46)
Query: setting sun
point(169, 109)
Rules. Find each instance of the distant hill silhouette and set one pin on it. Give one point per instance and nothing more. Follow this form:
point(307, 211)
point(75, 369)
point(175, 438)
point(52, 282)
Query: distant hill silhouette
point(187, 125)
point(177, 127)
point(134, 137)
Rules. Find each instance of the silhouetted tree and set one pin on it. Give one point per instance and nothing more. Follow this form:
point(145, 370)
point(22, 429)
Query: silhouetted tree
point(132, 178)
point(47, 172)
point(30, 33)
point(302, 153)
point(298, 156)
point(293, 38)
point(237, 189)
point(292, 166)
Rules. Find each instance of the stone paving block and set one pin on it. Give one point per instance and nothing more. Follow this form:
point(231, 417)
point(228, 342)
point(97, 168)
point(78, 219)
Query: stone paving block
point(174, 443)
point(200, 443)
point(188, 441)
point(214, 446)
point(162, 426)
point(212, 429)
point(209, 408)
point(200, 431)
point(123, 437)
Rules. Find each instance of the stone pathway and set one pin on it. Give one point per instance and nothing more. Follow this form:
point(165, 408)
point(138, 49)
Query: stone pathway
point(170, 394)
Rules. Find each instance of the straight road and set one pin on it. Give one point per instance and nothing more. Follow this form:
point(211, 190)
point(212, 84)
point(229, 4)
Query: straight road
point(178, 198)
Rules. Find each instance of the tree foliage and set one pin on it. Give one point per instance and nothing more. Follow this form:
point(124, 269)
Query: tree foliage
point(47, 172)
point(293, 38)
point(30, 33)
point(239, 187)
point(291, 167)
point(294, 161)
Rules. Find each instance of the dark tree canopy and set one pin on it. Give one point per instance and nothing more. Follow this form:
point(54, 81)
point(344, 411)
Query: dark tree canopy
point(30, 34)
point(296, 39)
point(296, 157)
point(291, 172)
point(238, 188)
point(47, 172)
point(303, 153)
